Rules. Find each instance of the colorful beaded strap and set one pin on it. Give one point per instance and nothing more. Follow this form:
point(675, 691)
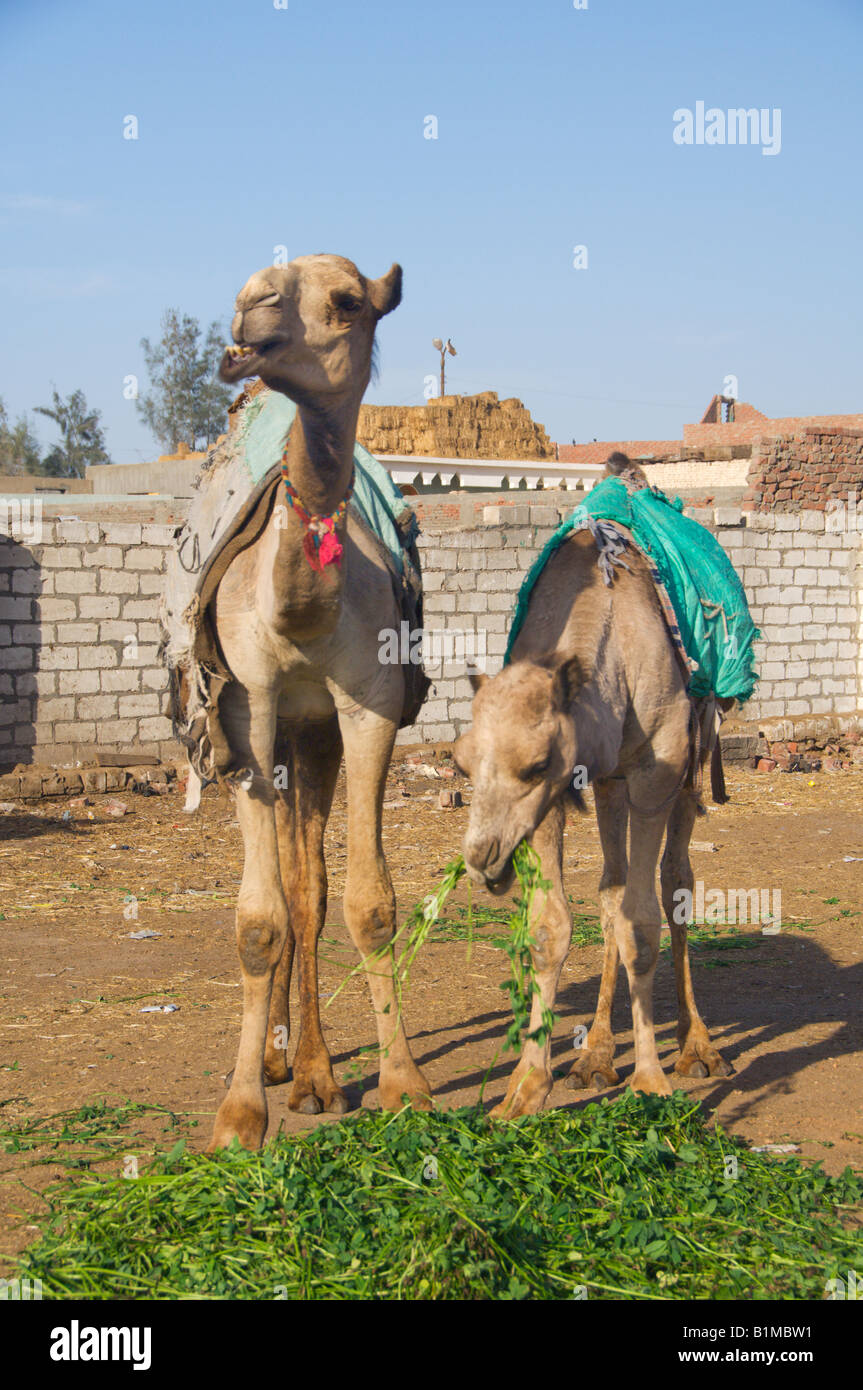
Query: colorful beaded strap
point(321, 545)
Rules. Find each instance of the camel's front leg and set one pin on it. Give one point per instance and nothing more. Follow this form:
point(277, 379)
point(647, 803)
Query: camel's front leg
point(698, 1056)
point(262, 918)
point(370, 909)
point(637, 927)
point(594, 1065)
point(551, 930)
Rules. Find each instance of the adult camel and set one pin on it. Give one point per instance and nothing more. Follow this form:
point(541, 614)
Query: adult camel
point(297, 624)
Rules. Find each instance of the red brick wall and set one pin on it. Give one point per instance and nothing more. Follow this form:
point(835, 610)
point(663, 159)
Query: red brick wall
point(803, 471)
point(744, 431)
point(748, 425)
point(599, 452)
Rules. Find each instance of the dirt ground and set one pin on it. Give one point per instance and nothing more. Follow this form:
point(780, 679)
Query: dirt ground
point(785, 1009)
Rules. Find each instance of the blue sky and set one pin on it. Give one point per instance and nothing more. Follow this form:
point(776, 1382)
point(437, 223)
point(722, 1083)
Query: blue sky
point(304, 127)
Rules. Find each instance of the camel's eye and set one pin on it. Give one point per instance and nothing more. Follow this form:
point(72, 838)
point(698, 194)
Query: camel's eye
point(346, 303)
point(536, 770)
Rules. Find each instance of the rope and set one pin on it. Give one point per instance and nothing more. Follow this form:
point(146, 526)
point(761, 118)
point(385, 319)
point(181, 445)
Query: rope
point(321, 545)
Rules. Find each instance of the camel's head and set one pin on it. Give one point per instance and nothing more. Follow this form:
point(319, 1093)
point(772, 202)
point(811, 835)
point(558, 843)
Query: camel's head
point(519, 755)
point(307, 328)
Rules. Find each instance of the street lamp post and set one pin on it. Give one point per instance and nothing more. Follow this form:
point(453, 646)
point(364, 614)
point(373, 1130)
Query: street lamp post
point(443, 349)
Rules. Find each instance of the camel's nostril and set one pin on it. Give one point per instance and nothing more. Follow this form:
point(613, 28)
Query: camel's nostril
point(479, 854)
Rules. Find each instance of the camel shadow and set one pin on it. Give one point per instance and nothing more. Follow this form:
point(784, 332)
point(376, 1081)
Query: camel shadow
point(22, 825)
point(832, 994)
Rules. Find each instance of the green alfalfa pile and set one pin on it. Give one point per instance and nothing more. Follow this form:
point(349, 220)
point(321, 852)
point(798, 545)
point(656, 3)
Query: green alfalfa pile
point(632, 1199)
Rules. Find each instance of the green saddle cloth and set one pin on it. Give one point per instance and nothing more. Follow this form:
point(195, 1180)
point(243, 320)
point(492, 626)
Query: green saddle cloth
point(265, 426)
point(716, 631)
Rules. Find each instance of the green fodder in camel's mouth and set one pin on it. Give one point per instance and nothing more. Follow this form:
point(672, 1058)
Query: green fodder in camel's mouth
point(635, 1199)
point(522, 985)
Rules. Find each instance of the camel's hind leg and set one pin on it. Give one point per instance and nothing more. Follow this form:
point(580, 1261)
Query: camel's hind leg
point(370, 908)
point(310, 756)
point(262, 915)
point(551, 930)
point(698, 1056)
point(594, 1065)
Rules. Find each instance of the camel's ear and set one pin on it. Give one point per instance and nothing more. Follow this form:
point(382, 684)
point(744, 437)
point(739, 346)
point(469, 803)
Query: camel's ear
point(567, 679)
point(386, 293)
point(477, 680)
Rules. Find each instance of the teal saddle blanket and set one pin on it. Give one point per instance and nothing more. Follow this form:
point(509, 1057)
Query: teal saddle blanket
point(266, 423)
point(692, 574)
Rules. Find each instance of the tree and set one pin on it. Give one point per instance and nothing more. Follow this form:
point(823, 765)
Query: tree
point(81, 437)
point(187, 403)
point(19, 447)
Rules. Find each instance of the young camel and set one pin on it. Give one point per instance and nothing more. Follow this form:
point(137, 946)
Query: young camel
point(301, 644)
point(594, 682)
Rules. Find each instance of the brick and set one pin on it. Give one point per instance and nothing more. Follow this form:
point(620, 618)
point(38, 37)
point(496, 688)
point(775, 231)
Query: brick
point(122, 533)
point(145, 558)
point(20, 609)
point(436, 733)
point(14, 713)
point(92, 658)
point(97, 707)
point(78, 682)
point(155, 679)
point(141, 608)
point(61, 557)
point(118, 582)
point(56, 609)
point(461, 709)
point(157, 728)
point(77, 532)
point(124, 680)
point(83, 634)
point(75, 582)
point(28, 582)
point(137, 705)
point(99, 606)
point(118, 731)
point(439, 603)
point(145, 656)
point(58, 658)
point(159, 534)
point(105, 557)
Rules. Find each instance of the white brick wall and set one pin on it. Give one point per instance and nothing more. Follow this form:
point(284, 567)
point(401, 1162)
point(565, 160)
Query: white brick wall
point(71, 679)
point(80, 669)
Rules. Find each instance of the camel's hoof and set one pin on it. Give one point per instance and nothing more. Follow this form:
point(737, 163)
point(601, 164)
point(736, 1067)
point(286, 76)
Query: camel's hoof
point(595, 1075)
point(245, 1120)
point(309, 1099)
point(710, 1063)
point(410, 1088)
point(525, 1098)
point(394, 1098)
point(652, 1083)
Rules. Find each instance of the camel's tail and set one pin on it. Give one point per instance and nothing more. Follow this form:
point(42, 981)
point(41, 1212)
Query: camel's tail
point(717, 776)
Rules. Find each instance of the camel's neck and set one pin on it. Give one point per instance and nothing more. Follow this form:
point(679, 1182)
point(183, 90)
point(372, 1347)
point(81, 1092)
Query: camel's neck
point(301, 602)
point(320, 455)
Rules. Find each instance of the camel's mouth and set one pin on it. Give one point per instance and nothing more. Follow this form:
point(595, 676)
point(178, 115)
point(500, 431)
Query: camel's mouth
point(503, 882)
point(496, 883)
point(238, 357)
